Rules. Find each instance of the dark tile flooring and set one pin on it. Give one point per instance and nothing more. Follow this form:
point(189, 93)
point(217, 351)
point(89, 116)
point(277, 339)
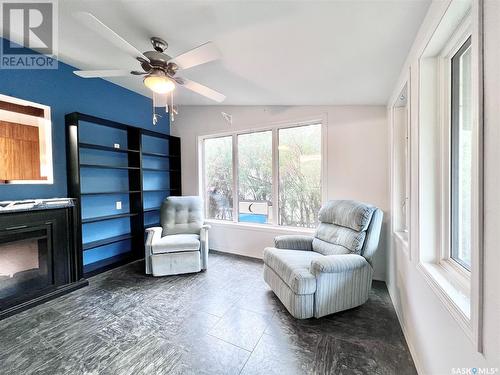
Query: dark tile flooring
point(223, 321)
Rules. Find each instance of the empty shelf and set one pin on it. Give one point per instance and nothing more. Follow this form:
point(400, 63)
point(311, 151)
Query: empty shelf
point(107, 263)
point(107, 217)
point(105, 148)
point(112, 192)
point(105, 166)
point(152, 209)
point(160, 155)
point(106, 241)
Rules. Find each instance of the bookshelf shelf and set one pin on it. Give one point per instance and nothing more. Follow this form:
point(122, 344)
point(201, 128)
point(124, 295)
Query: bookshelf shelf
point(106, 166)
point(106, 241)
point(107, 217)
point(160, 155)
point(152, 209)
point(105, 148)
point(112, 192)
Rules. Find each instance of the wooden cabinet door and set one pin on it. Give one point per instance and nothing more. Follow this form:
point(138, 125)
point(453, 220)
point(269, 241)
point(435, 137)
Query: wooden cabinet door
point(19, 152)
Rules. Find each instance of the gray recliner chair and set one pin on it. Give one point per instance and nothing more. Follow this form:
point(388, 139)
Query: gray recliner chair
point(330, 271)
point(180, 245)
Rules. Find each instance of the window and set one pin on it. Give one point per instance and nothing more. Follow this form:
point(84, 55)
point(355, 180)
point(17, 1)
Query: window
point(299, 176)
point(401, 163)
point(276, 173)
point(461, 155)
point(450, 163)
point(219, 178)
point(255, 177)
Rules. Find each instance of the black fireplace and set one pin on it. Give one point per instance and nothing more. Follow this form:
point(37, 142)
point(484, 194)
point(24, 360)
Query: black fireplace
point(38, 258)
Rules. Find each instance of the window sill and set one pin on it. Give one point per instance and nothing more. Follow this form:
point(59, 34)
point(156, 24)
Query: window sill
point(260, 227)
point(451, 289)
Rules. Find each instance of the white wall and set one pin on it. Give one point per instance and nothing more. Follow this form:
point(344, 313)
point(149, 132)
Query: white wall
point(437, 342)
point(357, 159)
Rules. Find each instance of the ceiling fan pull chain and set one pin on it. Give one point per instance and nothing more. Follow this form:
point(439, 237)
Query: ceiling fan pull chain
point(172, 118)
point(155, 118)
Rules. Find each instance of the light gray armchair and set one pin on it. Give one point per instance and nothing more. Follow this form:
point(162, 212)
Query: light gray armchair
point(180, 245)
point(330, 271)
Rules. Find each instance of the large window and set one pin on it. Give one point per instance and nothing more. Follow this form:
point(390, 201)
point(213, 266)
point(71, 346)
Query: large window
point(275, 172)
point(218, 154)
point(461, 155)
point(450, 163)
point(299, 175)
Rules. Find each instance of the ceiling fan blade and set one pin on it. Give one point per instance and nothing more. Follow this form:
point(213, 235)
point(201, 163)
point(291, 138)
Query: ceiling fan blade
point(101, 73)
point(200, 89)
point(93, 23)
point(197, 56)
point(145, 64)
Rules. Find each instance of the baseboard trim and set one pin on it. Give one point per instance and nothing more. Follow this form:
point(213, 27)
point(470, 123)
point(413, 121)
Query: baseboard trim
point(413, 352)
point(241, 256)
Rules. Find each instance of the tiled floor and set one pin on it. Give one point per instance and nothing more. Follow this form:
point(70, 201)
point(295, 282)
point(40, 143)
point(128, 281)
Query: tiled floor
point(223, 321)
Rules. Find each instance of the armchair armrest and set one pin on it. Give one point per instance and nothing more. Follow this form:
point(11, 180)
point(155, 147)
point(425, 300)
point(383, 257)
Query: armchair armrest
point(204, 245)
point(153, 234)
point(154, 229)
point(338, 263)
point(294, 242)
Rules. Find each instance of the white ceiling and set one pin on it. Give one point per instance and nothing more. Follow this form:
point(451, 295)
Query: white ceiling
point(274, 52)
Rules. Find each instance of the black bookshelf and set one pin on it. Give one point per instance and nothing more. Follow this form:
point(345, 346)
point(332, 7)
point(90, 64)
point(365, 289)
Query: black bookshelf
point(134, 174)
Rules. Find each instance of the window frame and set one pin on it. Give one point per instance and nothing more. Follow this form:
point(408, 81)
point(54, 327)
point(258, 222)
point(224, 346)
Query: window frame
point(454, 154)
point(203, 178)
point(458, 275)
point(274, 128)
point(402, 232)
point(460, 293)
point(236, 176)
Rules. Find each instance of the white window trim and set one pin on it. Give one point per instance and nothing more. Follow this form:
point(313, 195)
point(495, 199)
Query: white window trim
point(261, 227)
point(457, 273)
point(452, 286)
point(408, 168)
point(274, 127)
point(402, 236)
point(460, 291)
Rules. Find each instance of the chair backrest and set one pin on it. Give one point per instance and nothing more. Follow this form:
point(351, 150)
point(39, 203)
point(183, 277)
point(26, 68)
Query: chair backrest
point(181, 215)
point(348, 227)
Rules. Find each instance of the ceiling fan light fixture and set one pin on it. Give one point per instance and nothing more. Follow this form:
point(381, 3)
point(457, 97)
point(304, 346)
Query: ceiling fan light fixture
point(159, 83)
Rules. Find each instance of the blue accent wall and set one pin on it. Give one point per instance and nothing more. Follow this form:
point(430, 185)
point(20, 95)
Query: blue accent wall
point(65, 92)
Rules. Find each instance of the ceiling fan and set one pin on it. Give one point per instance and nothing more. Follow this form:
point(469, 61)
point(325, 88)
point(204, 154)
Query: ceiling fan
point(158, 68)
